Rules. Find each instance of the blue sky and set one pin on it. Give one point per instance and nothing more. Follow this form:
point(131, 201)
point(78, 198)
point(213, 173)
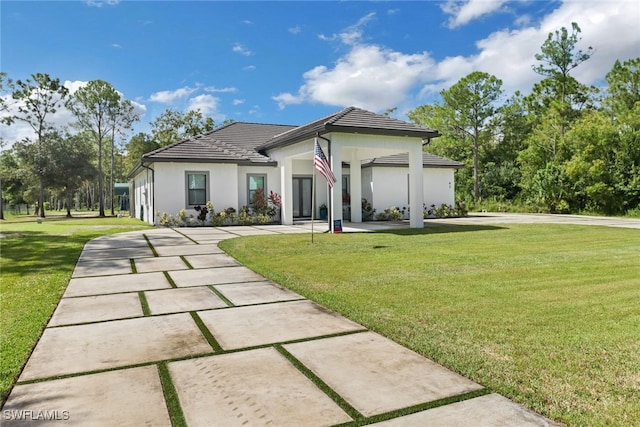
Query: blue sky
point(293, 62)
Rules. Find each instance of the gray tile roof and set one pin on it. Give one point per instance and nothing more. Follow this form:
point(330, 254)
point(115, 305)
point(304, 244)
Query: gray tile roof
point(248, 143)
point(350, 120)
point(232, 143)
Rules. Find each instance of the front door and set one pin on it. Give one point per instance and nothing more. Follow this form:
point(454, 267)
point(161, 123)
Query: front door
point(302, 193)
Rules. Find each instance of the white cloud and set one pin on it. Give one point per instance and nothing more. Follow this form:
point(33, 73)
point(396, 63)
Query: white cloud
point(609, 27)
point(352, 34)
point(207, 104)
point(238, 102)
point(295, 30)
point(376, 78)
point(61, 119)
point(221, 90)
point(464, 12)
point(169, 96)
point(249, 68)
point(368, 76)
point(100, 3)
point(239, 48)
point(116, 45)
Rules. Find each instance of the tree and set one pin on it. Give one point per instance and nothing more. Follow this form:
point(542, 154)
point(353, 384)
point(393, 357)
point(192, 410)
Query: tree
point(558, 58)
point(173, 126)
point(94, 107)
point(138, 145)
point(465, 114)
point(624, 92)
point(122, 117)
point(37, 99)
point(13, 180)
point(69, 154)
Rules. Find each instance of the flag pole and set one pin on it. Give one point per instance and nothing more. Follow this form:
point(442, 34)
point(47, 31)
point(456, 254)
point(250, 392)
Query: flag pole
point(313, 189)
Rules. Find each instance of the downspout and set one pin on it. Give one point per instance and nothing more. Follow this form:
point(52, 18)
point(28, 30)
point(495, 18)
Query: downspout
point(329, 212)
point(153, 188)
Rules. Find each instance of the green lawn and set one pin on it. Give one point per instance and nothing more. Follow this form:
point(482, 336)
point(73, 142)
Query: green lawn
point(547, 315)
point(36, 262)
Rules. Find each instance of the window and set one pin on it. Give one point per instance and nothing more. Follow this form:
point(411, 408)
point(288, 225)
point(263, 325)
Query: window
point(197, 188)
point(255, 182)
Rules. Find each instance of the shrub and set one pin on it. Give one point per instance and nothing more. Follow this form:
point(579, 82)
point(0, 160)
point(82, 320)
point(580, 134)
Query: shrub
point(166, 220)
point(367, 210)
point(390, 214)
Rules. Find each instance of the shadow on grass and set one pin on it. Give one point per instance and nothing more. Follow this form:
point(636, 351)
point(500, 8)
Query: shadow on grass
point(440, 228)
point(40, 251)
point(24, 219)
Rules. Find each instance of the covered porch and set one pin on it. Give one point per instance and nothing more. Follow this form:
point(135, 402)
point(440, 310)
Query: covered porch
point(345, 153)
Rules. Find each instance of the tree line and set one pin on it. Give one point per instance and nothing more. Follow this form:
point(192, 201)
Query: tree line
point(77, 167)
point(563, 148)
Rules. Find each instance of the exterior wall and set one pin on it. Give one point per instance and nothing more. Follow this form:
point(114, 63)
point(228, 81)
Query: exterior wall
point(272, 183)
point(142, 200)
point(389, 186)
point(439, 186)
point(171, 186)
point(367, 184)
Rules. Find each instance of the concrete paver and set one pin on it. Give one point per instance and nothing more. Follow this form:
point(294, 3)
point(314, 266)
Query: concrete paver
point(84, 348)
point(130, 242)
point(256, 293)
point(148, 265)
point(487, 410)
point(250, 388)
point(85, 286)
point(188, 250)
point(128, 397)
point(255, 325)
point(169, 241)
point(183, 299)
point(96, 309)
point(213, 276)
point(205, 233)
point(382, 376)
point(86, 268)
point(118, 253)
point(211, 260)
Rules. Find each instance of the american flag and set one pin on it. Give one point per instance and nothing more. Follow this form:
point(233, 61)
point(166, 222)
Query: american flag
point(321, 164)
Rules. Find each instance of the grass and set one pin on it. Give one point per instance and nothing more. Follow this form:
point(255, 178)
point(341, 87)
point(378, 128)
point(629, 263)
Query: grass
point(37, 261)
point(547, 315)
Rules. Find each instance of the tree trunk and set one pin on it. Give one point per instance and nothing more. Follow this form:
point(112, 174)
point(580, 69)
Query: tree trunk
point(40, 198)
point(69, 201)
point(1, 201)
point(113, 143)
point(476, 184)
point(100, 179)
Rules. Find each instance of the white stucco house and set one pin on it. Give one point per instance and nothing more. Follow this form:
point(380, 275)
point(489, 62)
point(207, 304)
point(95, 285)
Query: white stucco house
point(372, 156)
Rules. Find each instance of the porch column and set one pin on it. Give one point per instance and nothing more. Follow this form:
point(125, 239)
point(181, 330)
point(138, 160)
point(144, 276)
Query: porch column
point(416, 195)
point(336, 191)
point(355, 173)
point(286, 186)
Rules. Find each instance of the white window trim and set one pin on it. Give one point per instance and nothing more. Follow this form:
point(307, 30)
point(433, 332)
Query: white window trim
point(207, 187)
point(249, 175)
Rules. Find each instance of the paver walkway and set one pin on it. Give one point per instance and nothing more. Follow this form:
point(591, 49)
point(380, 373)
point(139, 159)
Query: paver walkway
point(161, 326)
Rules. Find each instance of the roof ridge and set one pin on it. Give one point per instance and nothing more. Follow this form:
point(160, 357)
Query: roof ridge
point(166, 147)
point(340, 114)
